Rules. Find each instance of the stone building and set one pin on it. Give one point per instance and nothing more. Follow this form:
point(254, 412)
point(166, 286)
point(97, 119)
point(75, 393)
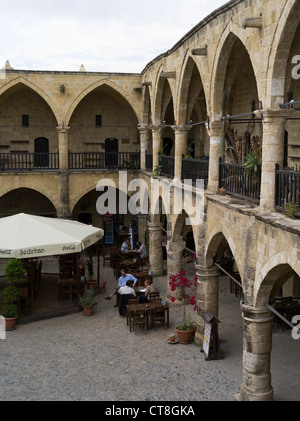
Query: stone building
point(228, 88)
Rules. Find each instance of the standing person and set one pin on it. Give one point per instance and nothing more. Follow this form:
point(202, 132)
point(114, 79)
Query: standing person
point(122, 283)
point(125, 248)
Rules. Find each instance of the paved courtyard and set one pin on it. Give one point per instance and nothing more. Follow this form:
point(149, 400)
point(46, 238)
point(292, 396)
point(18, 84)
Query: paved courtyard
point(76, 358)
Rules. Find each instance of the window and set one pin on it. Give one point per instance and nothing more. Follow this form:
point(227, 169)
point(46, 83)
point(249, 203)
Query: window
point(98, 120)
point(25, 120)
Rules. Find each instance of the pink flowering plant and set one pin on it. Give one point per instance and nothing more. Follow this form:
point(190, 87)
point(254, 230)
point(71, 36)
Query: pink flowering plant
point(182, 283)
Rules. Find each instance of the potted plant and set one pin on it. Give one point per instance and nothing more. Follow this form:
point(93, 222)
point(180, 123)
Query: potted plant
point(14, 273)
point(88, 301)
point(180, 282)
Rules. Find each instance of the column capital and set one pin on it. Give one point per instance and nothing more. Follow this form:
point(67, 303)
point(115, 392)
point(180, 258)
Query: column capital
point(62, 129)
point(256, 315)
point(271, 114)
point(181, 129)
point(215, 129)
point(144, 129)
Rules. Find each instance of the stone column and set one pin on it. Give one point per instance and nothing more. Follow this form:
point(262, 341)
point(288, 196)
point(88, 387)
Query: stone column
point(142, 227)
point(144, 144)
point(207, 296)
point(257, 346)
point(156, 145)
point(181, 148)
point(175, 253)
point(215, 153)
point(155, 249)
point(273, 153)
point(63, 147)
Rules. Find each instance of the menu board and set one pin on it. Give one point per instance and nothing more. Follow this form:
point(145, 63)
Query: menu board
point(207, 337)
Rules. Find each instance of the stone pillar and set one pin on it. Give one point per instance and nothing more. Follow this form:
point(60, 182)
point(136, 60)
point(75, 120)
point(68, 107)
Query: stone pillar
point(207, 296)
point(273, 153)
point(156, 145)
point(257, 346)
point(142, 227)
point(215, 154)
point(63, 147)
point(155, 249)
point(144, 144)
point(175, 253)
point(181, 148)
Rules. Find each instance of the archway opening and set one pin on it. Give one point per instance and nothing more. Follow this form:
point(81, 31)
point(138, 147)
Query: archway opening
point(226, 297)
point(281, 290)
point(26, 200)
point(24, 117)
point(236, 94)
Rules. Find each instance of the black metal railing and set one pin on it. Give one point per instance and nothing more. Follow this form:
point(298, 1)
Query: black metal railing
point(167, 165)
point(24, 161)
point(287, 189)
point(239, 182)
point(104, 160)
point(193, 169)
point(149, 162)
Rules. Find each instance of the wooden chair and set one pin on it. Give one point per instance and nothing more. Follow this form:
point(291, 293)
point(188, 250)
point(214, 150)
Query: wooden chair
point(159, 316)
point(25, 298)
point(154, 295)
point(132, 301)
point(139, 319)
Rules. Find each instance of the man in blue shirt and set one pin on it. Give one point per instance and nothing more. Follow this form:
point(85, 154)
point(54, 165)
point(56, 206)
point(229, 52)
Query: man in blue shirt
point(122, 282)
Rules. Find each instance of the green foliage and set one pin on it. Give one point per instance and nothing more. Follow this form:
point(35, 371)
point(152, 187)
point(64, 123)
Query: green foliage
point(88, 299)
point(14, 271)
point(10, 311)
point(11, 294)
point(253, 161)
point(187, 325)
point(15, 274)
point(157, 170)
point(291, 210)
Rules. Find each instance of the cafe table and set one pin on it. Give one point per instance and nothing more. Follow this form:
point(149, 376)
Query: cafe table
point(149, 307)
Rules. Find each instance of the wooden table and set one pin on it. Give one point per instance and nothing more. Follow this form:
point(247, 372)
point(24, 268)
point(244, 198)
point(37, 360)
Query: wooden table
point(149, 307)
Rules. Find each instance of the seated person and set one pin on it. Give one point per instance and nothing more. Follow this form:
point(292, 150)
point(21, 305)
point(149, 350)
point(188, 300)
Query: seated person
point(126, 293)
point(125, 248)
point(127, 289)
point(122, 282)
point(145, 298)
point(141, 249)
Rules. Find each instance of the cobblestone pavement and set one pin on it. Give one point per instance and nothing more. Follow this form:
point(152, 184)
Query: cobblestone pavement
point(78, 358)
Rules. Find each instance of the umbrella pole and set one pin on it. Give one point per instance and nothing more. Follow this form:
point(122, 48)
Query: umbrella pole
point(98, 264)
point(78, 275)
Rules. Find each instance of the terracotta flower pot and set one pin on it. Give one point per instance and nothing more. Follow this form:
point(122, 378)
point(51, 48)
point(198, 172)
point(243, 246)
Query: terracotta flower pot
point(185, 337)
point(10, 323)
point(88, 311)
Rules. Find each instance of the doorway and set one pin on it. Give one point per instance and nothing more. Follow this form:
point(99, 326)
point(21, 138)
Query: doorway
point(41, 152)
point(111, 152)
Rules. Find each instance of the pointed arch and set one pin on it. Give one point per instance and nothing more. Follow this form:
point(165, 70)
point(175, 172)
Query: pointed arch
point(280, 50)
point(231, 35)
point(184, 91)
point(91, 88)
point(25, 82)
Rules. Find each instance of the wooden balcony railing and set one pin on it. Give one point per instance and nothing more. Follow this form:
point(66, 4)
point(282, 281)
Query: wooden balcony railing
point(23, 161)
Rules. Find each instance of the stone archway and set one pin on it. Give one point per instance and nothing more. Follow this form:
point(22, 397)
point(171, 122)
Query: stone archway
point(26, 200)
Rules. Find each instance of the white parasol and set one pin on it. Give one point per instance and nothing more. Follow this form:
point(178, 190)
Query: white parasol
point(25, 236)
